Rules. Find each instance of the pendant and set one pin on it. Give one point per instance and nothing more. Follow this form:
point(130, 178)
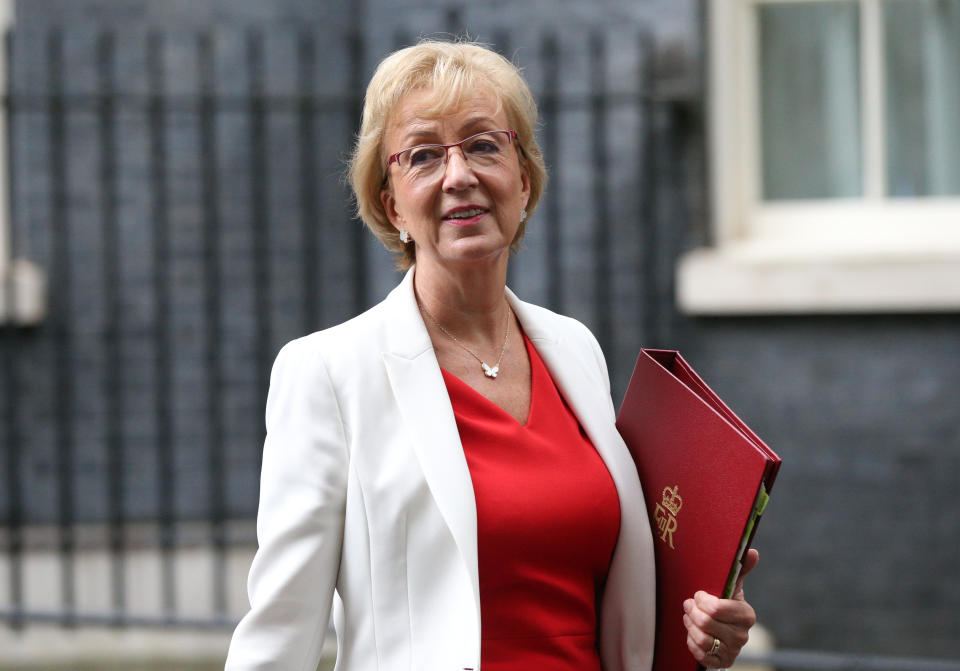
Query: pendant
point(488, 371)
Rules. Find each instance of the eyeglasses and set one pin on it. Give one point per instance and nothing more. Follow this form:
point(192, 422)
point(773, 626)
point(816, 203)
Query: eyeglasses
point(483, 151)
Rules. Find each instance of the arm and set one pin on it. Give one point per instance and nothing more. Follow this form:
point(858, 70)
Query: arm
point(300, 519)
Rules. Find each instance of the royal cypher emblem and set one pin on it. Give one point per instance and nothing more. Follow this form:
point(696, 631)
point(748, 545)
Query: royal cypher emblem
point(665, 513)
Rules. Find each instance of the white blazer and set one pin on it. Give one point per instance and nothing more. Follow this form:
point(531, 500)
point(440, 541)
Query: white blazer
point(366, 502)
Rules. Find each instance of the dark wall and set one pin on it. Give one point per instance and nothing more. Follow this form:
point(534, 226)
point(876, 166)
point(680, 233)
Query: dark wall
point(169, 181)
point(182, 186)
point(861, 542)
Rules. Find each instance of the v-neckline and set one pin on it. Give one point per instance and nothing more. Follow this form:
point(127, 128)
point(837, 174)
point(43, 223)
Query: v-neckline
point(531, 353)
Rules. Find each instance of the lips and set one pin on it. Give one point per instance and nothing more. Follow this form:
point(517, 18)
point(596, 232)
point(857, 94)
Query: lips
point(464, 214)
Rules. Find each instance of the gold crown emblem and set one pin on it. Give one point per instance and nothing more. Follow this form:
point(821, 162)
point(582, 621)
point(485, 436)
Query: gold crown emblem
point(672, 500)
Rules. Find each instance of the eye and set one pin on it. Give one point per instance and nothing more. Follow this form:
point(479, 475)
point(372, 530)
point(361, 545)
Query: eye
point(482, 145)
point(424, 155)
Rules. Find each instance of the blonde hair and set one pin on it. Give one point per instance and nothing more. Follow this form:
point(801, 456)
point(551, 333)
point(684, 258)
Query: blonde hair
point(454, 71)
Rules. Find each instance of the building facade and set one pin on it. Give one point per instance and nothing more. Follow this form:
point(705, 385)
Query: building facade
point(176, 175)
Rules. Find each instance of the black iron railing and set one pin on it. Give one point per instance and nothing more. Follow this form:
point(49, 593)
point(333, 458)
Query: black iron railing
point(189, 222)
point(187, 231)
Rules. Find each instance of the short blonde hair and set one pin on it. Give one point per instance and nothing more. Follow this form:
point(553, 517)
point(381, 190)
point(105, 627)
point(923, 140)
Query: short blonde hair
point(455, 71)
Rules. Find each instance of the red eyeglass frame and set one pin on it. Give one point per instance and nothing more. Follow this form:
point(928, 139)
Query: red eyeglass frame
point(446, 147)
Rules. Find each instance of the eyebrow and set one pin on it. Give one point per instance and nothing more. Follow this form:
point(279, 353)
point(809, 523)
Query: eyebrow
point(469, 127)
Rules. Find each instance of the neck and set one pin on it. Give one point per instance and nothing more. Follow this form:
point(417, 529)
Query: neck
point(469, 302)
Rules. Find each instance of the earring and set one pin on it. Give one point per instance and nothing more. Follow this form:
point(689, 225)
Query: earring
point(404, 236)
point(523, 215)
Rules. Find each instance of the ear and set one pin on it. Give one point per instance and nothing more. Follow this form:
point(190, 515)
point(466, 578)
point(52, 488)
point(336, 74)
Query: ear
point(524, 184)
point(390, 207)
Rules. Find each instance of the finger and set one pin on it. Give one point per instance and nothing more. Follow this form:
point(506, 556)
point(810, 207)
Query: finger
point(697, 636)
point(750, 561)
point(727, 611)
point(735, 612)
point(698, 642)
point(702, 650)
point(696, 650)
point(704, 627)
point(726, 619)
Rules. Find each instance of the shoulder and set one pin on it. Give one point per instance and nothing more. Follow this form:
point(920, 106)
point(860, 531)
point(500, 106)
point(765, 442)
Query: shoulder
point(538, 317)
point(541, 322)
point(565, 338)
point(329, 376)
point(366, 336)
point(351, 355)
point(350, 343)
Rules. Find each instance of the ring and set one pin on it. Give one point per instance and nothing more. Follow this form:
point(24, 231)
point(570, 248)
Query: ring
point(715, 649)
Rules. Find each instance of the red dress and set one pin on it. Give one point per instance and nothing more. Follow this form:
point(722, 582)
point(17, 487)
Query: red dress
point(548, 517)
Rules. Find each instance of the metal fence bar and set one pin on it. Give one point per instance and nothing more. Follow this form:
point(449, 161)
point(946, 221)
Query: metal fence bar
point(10, 376)
point(550, 56)
point(187, 102)
point(309, 178)
point(259, 210)
point(453, 20)
point(358, 242)
point(164, 621)
point(110, 277)
point(647, 159)
point(501, 42)
point(163, 410)
point(600, 177)
point(213, 320)
point(61, 308)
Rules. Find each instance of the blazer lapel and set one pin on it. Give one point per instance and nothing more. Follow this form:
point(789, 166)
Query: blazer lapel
point(422, 398)
point(568, 369)
point(574, 372)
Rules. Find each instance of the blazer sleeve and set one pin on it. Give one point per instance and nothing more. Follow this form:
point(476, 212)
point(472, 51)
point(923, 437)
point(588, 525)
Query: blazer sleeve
point(300, 519)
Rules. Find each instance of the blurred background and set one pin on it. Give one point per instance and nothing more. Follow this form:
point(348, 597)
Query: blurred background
point(771, 187)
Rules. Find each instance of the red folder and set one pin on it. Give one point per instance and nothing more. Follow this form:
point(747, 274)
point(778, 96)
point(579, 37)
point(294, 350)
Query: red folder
point(706, 478)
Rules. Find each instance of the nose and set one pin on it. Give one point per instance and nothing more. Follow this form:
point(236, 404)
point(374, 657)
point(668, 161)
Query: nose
point(458, 175)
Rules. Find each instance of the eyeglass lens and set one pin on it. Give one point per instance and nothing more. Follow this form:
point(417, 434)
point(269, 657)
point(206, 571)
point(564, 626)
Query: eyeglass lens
point(482, 151)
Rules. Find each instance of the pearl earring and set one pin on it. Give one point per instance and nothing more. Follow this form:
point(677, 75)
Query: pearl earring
point(404, 236)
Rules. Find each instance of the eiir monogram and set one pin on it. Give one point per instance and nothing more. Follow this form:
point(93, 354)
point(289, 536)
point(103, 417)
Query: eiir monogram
point(665, 515)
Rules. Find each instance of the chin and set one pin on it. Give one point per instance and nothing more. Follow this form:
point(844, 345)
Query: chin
point(481, 243)
point(477, 250)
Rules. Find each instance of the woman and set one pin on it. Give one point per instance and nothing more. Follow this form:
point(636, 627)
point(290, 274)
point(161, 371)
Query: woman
point(444, 468)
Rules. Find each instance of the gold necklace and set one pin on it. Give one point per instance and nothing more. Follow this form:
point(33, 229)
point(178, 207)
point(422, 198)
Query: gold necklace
point(489, 371)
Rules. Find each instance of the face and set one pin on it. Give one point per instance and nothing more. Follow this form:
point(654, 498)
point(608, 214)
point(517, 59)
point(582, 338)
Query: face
point(462, 214)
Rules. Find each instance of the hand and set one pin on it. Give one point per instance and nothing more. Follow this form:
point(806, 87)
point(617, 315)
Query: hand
point(727, 620)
